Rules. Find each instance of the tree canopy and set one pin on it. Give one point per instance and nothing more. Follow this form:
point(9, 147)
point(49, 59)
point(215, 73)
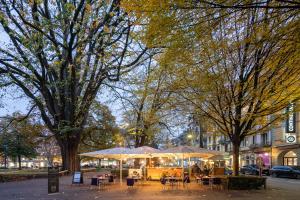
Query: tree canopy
point(59, 54)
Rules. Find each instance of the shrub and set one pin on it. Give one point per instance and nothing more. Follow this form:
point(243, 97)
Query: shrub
point(245, 182)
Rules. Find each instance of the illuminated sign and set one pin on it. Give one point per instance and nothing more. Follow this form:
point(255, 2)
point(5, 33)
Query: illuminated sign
point(290, 138)
point(291, 119)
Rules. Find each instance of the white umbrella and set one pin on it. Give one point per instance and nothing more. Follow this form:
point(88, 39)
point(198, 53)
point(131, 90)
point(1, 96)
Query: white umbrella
point(190, 151)
point(115, 153)
point(121, 153)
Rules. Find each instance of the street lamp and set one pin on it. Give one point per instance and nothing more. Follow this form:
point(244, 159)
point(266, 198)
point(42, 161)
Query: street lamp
point(190, 137)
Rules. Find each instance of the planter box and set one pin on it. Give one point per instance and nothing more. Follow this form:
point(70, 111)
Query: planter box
point(244, 182)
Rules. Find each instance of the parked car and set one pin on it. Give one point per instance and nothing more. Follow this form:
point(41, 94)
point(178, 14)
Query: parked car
point(285, 171)
point(248, 169)
point(265, 171)
point(253, 170)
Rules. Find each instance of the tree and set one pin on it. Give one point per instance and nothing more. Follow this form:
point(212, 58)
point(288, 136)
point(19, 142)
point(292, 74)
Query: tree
point(59, 54)
point(146, 98)
point(248, 72)
point(238, 67)
point(48, 147)
point(101, 131)
point(19, 137)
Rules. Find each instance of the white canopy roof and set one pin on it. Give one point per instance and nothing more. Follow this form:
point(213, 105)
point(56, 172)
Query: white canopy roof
point(190, 151)
point(148, 152)
point(121, 152)
point(116, 153)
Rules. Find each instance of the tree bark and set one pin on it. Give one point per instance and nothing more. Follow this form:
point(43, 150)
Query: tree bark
point(19, 161)
point(5, 161)
point(235, 154)
point(69, 154)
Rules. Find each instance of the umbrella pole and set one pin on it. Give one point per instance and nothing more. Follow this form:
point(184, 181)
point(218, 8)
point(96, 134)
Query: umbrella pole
point(145, 176)
point(189, 166)
point(182, 166)
point(121, 171)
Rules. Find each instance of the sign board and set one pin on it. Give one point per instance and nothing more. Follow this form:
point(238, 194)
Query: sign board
point(53, 180)
point(77, 178)
point(290, 138)
point(135, 172)
point(290, 126)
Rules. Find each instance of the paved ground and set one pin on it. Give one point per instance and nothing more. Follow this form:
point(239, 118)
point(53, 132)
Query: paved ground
point(278, 188)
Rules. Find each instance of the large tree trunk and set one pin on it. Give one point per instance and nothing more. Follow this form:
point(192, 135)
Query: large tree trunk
point(235, 154)
point(69, 154)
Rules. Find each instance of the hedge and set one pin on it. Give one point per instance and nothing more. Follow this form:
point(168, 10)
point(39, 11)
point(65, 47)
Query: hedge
point(19, 177)
point(244, 182)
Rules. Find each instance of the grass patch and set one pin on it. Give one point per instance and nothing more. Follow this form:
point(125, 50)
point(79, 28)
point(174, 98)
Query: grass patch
point(23, 171)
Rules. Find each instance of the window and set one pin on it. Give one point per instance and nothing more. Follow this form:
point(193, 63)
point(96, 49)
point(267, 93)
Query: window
point(264, 138)
point(290, 159)
point(253, 139)
point(244, 142)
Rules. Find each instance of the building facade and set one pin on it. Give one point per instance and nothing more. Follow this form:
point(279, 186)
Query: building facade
point(278, 146)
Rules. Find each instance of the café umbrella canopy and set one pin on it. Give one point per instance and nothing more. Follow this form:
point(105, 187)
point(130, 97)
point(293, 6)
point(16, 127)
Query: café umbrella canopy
point(115, 153)
point(121, 153)
point(189, 152)
point(118, 153)
point(146, 150)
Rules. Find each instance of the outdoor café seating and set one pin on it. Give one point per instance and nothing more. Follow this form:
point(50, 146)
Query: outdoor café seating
point(169, 164)
point(215, 182)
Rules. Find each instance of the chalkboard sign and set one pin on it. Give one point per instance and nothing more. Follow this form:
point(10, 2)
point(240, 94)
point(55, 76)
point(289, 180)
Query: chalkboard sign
point(53, 180)
point(77, 178)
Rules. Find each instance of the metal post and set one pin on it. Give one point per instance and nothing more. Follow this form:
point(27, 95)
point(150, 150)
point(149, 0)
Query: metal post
point(182, 166)
point(145, 165)
point(121, 171)
point(190, 166)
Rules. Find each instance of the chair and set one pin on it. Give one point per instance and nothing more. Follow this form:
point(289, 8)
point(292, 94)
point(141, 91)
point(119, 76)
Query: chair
point(130, 182)
point(199, 179)
point(205, 181)
point(186, 181)
point(111, 179)
point(215, 182)
point(94, 181)
point(163, 181)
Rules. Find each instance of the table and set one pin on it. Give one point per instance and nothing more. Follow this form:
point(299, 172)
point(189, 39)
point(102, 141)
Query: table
point(211, 180)
point(173, 180)
point(102, 181)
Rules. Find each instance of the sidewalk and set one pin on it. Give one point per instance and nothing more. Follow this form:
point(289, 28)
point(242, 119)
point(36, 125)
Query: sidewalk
point(37, 190)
